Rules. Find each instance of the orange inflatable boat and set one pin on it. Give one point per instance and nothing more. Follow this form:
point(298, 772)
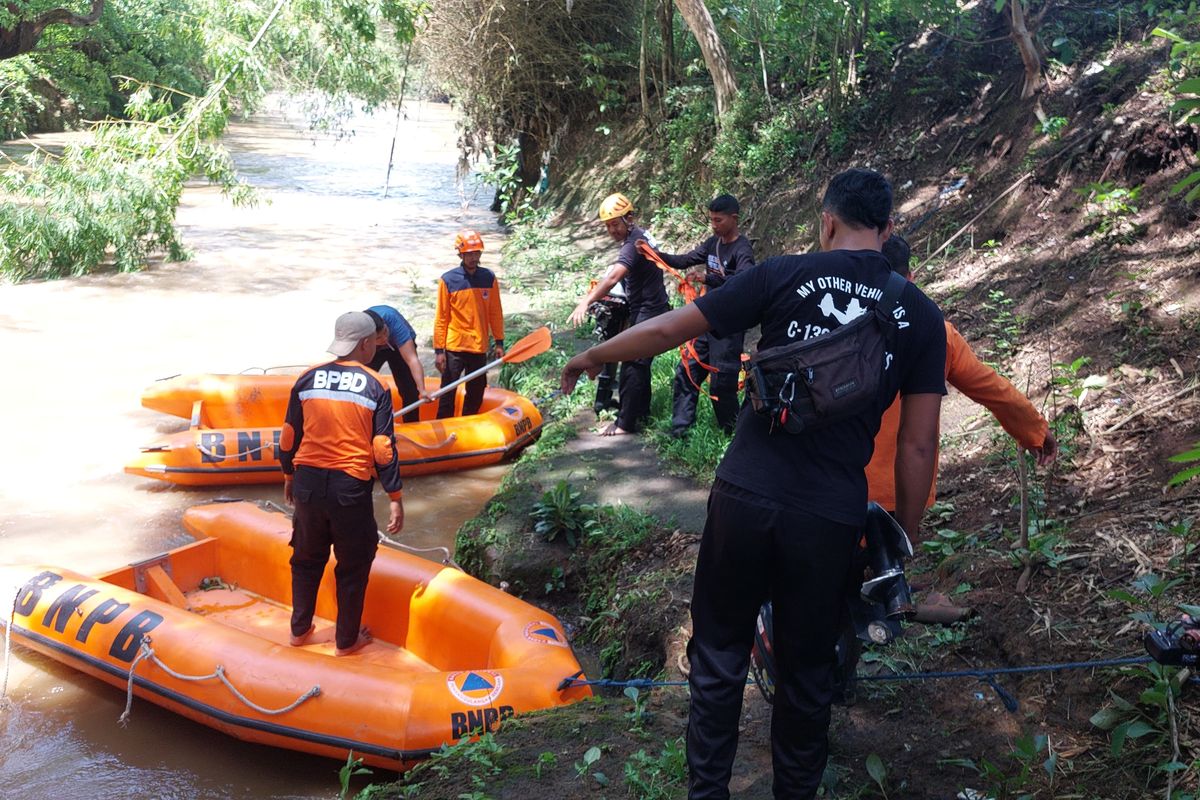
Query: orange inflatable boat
point(203, 630)
point(236, 421)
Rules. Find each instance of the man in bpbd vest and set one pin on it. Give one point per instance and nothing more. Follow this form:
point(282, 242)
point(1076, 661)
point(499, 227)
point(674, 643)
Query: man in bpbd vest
point(337, 435)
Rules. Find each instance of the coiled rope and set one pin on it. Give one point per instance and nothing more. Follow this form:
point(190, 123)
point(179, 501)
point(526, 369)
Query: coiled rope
point(146, 652)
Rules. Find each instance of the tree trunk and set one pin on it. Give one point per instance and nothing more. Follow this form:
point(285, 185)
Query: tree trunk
point(1027, 47)
point(667, 34)
point(700, 22)
point(24, 36)
point(762, 60)
point(642, 56)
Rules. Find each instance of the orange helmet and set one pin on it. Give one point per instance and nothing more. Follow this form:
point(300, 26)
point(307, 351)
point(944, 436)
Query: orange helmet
point(468, 242)
point(614, 206)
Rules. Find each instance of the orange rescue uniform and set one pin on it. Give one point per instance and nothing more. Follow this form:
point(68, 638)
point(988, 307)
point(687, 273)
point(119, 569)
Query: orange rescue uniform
point(981, 383)
point(467, 306)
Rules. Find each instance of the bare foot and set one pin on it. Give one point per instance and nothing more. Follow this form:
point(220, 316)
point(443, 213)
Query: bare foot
point(615, 430)
point(364, 639)
point(298, 641)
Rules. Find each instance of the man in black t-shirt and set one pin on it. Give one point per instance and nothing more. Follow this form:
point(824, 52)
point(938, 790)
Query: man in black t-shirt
point(646, 294)
point(723, 255)
point(786, 511)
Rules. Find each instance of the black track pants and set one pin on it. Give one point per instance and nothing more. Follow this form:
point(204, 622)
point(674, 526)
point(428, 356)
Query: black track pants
point(457, 365)
point(753, 550)
point(606, 381)
point(332, 508)
point(726, 355)
point(406, 385)
point(634, 384)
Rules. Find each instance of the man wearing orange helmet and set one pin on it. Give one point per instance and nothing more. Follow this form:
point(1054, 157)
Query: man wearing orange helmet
point(646, 293)
point(468, 308)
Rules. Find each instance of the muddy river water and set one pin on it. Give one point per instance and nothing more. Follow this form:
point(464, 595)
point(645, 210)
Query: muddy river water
point(261, 290)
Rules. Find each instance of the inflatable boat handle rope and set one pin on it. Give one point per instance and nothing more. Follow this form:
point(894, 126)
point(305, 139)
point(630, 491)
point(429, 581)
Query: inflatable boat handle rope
point(383, 537)
point(145, 651)
point(437, 446)
point(12, 613)
point(445, 551)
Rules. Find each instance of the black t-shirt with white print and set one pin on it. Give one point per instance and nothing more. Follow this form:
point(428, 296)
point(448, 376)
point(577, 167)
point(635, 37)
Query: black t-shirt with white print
point(798, 297)
point(721, 260)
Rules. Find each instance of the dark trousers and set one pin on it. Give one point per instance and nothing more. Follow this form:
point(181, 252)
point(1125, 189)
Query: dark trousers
point(332, 508)
point(406, 385)
point(606, 382)
point(457, 365)
point(753, 550)
point(634, 383)
point(726, 355)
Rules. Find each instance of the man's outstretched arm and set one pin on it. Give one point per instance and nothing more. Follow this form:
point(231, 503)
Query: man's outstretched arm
point(656, 335)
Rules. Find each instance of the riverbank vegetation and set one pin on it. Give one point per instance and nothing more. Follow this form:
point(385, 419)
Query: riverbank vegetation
point(1046, 199)
point(154, 84)
point(1044, 157)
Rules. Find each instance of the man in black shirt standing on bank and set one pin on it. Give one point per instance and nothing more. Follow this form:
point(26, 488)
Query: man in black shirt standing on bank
point(723, 255)
point(787, 510)
point(647, 297)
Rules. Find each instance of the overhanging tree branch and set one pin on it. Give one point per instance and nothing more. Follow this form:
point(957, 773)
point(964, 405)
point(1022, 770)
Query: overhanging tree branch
point(24, 35)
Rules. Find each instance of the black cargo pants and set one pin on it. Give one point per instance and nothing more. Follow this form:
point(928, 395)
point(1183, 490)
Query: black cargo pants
point(754, 549)
point(332, 509)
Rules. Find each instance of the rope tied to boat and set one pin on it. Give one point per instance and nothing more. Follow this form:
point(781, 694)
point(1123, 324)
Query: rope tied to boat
point(12, 615)
point(449, 440)
point(145, 651)
point(445, 551)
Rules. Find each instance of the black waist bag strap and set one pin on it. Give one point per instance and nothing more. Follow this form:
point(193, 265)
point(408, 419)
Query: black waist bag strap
point(830, 377)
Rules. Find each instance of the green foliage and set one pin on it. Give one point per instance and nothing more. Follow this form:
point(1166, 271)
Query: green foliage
point(561, 512)
point(638, 716)
point(1111, 207)
point(1186, 54)
point(352, 768)
point(545, 760)
point(584, 765)
point(1141, 728)
point(878, 772)
point(503, 172)
point(1052, 126)
point(1032, 755)
point(1004, 327)
point(660, 777)
point(946, 543)
point(1188, 456)
point(114, 197)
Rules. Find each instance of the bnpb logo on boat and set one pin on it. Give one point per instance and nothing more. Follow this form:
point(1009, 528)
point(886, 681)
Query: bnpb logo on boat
point(476, 688)
point(544, 633)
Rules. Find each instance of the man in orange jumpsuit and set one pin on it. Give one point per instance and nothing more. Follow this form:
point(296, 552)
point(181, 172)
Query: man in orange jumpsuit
point(468, 307)
point(981, 383)
point(985, 386)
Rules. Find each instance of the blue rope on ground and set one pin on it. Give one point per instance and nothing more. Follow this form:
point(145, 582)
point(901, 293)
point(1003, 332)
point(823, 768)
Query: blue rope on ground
point(987, 676)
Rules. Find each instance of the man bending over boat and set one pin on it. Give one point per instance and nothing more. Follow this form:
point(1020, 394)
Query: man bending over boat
point(396, 346)
point(337, 436)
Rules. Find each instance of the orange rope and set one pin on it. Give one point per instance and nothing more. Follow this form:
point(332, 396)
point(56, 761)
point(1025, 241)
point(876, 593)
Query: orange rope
point(689, 292)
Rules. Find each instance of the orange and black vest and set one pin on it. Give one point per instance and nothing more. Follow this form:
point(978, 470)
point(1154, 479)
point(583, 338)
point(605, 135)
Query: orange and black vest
point(468, 306)
point(339, 417)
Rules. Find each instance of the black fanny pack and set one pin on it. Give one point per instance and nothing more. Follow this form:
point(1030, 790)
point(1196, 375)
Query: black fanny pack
point(830, 377)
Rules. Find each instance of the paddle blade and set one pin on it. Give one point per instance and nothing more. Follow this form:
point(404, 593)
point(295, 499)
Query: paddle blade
point(533, 344)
